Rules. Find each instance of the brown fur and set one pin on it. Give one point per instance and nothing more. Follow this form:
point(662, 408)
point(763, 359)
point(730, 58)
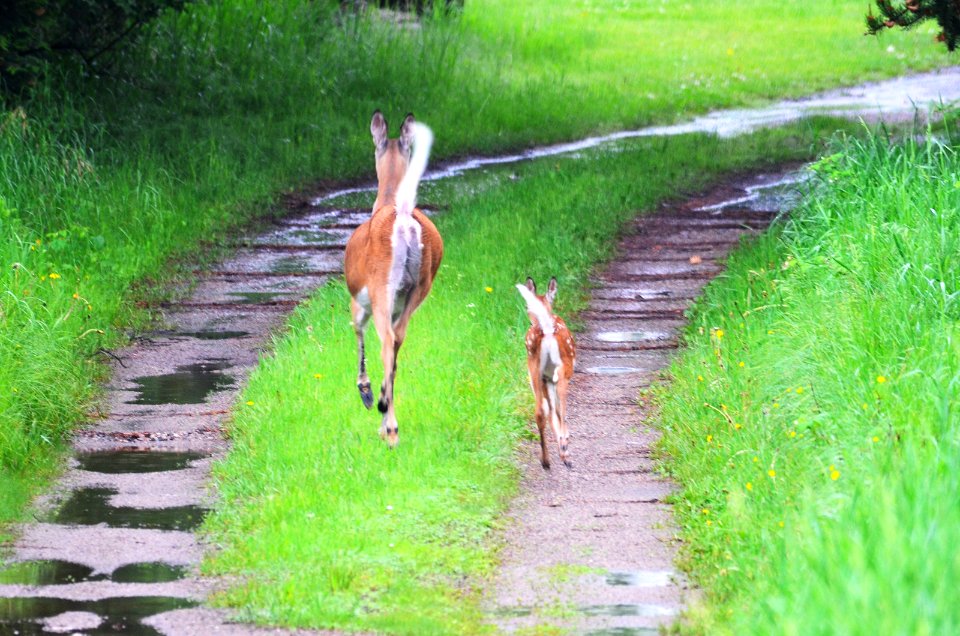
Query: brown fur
point(368, 261)
point(540, 384)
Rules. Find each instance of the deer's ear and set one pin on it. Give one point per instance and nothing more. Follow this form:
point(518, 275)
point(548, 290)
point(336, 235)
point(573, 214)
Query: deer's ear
point(406, 132)
point(378, 128)
point(532, 286)
point(552, 290)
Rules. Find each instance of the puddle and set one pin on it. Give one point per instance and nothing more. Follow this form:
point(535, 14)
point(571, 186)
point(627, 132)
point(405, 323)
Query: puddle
point(126, 461)
point(214, 335)
point(54, 572)
point(290, 265)
point(122, 615)
point(782, 195)
point(612, 370)
point(51, 572)
point(625, 609)
point(189, 384)
point(632, 336)
point(640, 578)
point(903, 95)
point(148, 573)
point(255, 298)
point(90, 506)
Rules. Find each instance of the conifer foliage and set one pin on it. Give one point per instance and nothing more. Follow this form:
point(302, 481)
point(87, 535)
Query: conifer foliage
point(912, 12)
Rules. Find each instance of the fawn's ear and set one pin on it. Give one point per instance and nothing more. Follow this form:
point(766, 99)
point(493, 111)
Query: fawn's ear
point(378, 128)
point(532, 286)
point(551, 290)
point(406, 133)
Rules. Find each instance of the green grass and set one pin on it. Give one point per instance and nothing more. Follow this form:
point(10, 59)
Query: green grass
point(812, 420)
point(322, 524)
point(120, 170)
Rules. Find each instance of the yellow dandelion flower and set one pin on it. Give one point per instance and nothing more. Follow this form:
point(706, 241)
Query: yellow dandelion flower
point(881, 379)
point(318, 375)
point(709, 522)
point(489, 290)
point(756, 459)
point(799, 389)
point(54, 276)
point(772, 473)
point(76, 296)
point(723, 407)
point(876, 439)
point(709, 438)
point(792, 433)
point(749, 486)
point(835, 475)
point(865, 407)
point(738, 426)
point(740, 364)
point(705, 511)
point(776, 405)
point(699, 378)
point(781, 524)
point(250, 402)
point(719, 333)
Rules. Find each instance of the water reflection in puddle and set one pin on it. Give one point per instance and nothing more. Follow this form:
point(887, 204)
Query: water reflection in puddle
point(632, 336)
point(624, 631)
point(90, 506)
point(213, 335)
point(148, 573)
point(640, 578)
point(625, 609)
point(256, 298)
point(52, 572)
point(127, 461)
point(612, 370)
point(189, 384)
point(122, 615)
point(55, 572)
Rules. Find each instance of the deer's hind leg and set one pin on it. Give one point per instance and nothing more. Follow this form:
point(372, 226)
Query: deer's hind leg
point(561, 430)
point(360, 317)
point(542, 409)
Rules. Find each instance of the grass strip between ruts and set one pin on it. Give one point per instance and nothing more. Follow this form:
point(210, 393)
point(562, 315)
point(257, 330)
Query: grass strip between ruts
point(325, 526)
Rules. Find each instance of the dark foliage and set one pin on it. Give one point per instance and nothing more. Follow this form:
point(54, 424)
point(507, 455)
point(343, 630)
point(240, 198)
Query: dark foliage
point(908, 14)
point(36, 32)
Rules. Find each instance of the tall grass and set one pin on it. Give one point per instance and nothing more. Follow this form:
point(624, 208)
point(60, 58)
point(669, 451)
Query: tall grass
point(812, 420)
point(320, 523)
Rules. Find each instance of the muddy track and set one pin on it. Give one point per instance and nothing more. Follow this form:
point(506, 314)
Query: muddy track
point(591, 549)
point(113, 549)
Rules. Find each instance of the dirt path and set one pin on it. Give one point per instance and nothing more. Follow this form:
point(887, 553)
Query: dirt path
point(113, 548)
point(592, 549)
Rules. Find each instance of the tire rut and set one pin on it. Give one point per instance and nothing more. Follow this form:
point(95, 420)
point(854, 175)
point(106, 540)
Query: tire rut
point(591, 550)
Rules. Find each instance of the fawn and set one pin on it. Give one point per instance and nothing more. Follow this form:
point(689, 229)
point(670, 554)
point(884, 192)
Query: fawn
point(392, 258)
point(551, 355)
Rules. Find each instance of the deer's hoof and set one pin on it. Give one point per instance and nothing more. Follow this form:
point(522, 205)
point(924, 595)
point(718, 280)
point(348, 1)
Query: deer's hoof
point(567, 462)
point(390, 435)
point(545, 463)
point(366, 395)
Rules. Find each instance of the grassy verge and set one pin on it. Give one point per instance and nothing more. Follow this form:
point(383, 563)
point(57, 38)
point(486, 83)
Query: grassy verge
point(327, 527)
point(812, 420)
point(108, 175)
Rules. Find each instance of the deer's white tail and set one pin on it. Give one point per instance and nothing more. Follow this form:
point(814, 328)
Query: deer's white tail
point(535, 307)
point(407, 190)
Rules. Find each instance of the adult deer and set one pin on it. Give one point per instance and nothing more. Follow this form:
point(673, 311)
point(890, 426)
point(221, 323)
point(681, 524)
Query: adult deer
point(551, 355)
point(392, 259)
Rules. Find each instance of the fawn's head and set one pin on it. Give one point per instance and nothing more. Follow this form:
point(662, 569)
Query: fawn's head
point(392, 155)
point(547, 299)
